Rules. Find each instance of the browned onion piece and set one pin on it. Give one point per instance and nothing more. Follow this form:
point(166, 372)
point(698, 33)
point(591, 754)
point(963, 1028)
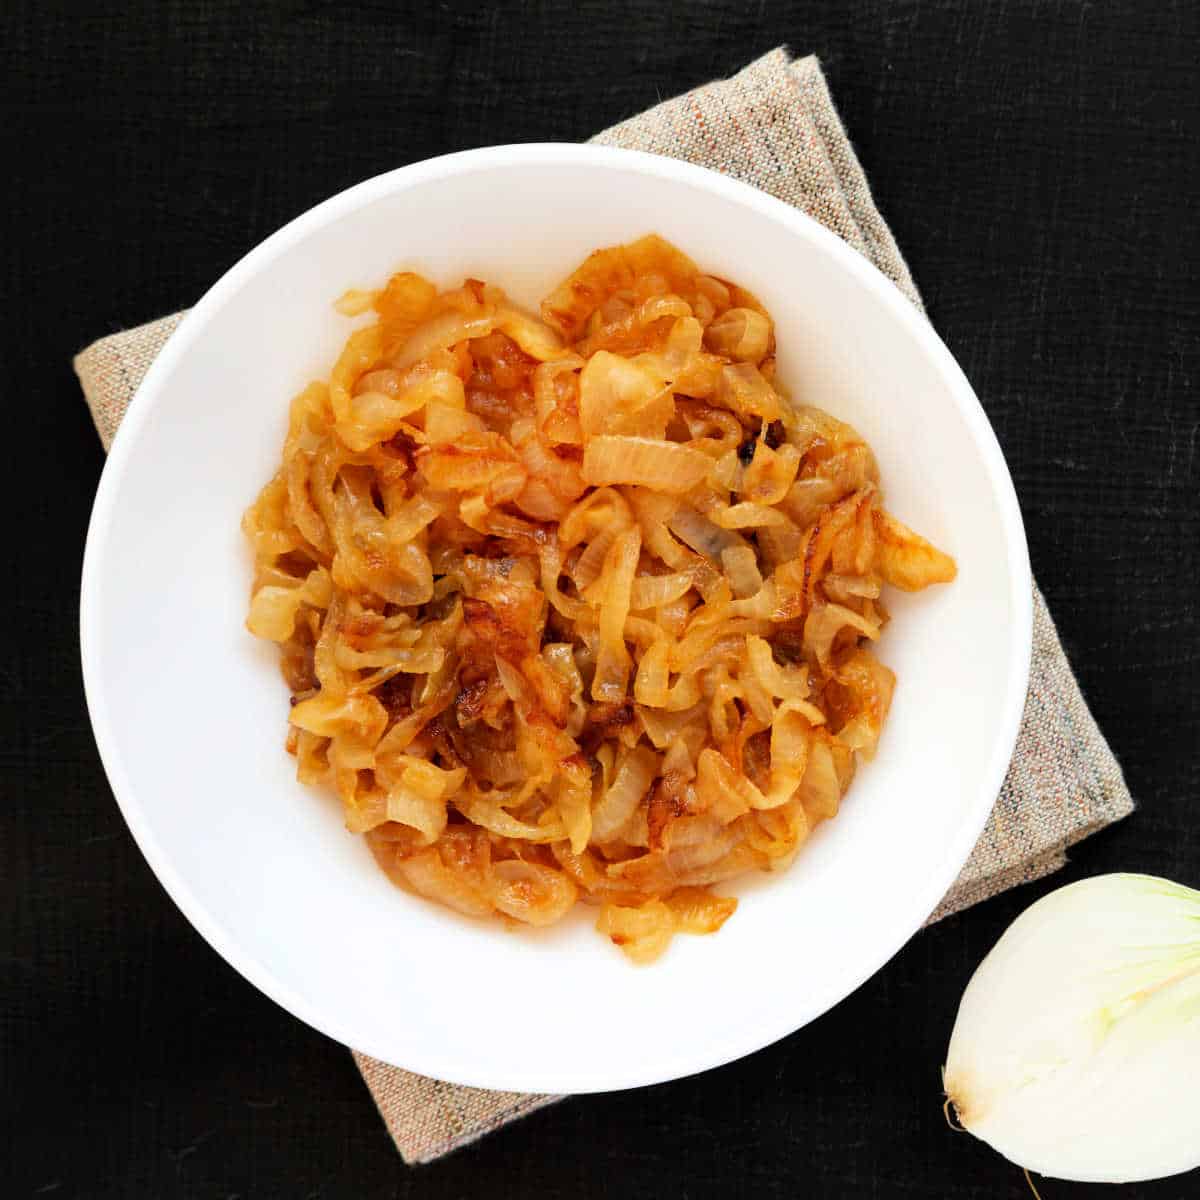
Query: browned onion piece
point(741, 334)
point(644, 462)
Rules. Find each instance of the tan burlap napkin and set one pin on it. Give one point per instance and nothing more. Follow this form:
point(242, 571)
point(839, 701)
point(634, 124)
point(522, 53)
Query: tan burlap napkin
point(774, 126)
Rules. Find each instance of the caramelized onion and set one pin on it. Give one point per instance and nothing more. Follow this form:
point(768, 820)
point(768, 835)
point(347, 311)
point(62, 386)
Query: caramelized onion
point(577, 607)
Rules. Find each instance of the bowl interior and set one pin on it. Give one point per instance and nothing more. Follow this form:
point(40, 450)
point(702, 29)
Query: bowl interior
point(190, 711)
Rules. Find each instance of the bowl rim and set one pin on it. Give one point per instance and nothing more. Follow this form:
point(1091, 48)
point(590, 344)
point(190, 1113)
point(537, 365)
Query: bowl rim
point(913, 909)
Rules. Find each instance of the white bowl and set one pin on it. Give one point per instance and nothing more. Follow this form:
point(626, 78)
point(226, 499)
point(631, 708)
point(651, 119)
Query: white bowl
point(190, 711)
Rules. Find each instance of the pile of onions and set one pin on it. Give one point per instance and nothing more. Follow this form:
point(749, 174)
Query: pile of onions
point(577, 607)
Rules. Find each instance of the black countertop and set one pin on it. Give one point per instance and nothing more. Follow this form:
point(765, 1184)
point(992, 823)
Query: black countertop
point(1037, 162)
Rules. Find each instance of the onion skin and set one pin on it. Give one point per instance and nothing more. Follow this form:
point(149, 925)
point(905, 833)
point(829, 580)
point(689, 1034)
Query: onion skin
point(1076, 1049)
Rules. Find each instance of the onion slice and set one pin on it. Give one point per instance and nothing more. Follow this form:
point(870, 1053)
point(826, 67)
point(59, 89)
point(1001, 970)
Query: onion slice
point(644, 462)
